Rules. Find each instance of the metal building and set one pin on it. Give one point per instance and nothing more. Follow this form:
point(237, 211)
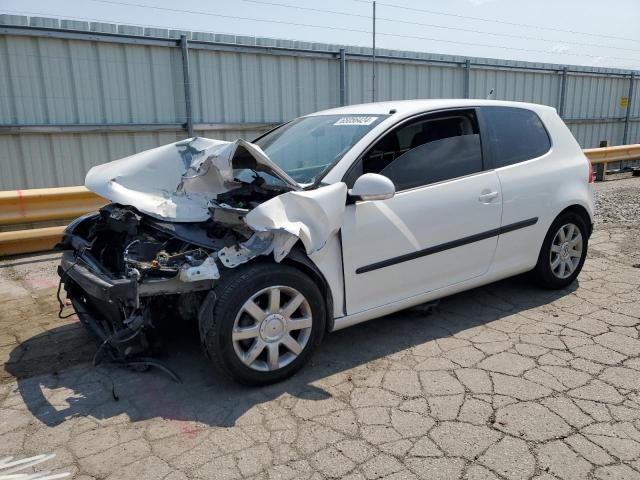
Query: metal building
point(75, 94)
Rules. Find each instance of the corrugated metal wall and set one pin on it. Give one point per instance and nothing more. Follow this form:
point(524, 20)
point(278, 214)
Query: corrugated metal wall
point(50, 81)
point(74, 94)
point(233, 87)
point(402, 81)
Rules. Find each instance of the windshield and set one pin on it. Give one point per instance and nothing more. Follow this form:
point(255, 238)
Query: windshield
point(306, 146)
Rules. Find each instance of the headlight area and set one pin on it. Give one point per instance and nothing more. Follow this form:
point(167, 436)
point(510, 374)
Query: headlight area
point(130, 277)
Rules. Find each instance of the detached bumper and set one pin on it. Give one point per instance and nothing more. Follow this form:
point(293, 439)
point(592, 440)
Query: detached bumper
point(96, 284)
point(100, 286)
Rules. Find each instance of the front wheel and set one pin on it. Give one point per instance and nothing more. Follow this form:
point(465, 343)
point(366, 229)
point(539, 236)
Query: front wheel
point(563, 252)
point(267, 321)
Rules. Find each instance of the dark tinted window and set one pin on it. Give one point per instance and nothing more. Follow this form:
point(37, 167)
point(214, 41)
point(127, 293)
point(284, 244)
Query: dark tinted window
point(432, 149)
point(515, 135)
point(436, 161)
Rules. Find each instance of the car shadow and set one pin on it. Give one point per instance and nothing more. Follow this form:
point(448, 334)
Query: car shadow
point(57, 381)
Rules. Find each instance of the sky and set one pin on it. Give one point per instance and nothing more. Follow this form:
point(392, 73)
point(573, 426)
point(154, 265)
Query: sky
point(568, 32)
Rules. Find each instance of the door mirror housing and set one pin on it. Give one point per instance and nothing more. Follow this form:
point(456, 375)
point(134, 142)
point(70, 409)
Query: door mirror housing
point(372, 186)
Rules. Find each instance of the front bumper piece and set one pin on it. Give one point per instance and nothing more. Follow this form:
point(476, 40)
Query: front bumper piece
point(97, 284)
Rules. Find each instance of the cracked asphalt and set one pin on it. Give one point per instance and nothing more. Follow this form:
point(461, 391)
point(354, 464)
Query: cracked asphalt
point(505, 381)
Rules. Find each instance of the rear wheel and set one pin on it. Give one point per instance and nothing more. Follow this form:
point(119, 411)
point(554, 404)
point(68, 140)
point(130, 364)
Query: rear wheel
point(266, 323)
point(563, 252)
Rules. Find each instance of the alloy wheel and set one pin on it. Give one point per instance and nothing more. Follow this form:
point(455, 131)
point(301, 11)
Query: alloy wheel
point(566, 250)
point(272, 328)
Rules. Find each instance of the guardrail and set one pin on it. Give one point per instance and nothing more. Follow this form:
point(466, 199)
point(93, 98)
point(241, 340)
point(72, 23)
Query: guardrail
point(57, 204)
point(32, 207)
point(605, 155)
point(44, 204)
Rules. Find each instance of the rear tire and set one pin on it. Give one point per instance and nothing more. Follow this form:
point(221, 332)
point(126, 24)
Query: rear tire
point(267, 321)
point(563, 251)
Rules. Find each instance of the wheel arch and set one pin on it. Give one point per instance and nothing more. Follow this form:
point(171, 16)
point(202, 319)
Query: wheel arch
point(582, 212)
point(216, 319)
point(297, 258)
point(543, 272)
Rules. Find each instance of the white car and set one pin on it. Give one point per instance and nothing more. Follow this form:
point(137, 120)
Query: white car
point(326, 221)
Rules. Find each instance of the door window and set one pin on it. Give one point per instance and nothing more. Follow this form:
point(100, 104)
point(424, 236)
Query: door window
point(427, 150)
point(514, 135)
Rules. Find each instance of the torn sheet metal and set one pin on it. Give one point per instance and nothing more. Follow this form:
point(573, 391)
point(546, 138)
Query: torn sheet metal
point(175, 182)
point(228, 215)
point(207, 270)
point(313, 216)
point(261, 243)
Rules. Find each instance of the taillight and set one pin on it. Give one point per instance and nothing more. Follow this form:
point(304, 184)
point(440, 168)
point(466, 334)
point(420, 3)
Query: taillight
point(590, 171)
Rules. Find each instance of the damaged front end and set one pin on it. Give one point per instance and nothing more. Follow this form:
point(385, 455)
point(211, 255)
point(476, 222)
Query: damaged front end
point(128, 276)
point(181, 215)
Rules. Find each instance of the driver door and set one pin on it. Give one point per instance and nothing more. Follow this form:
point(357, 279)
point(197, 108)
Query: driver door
point(441, 227)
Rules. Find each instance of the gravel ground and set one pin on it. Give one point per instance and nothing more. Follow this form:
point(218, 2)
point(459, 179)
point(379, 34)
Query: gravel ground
point(618, 214)
point(618, 200)
point(505, 381)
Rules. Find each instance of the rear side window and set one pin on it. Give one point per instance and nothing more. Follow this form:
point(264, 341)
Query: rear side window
point(514, 135)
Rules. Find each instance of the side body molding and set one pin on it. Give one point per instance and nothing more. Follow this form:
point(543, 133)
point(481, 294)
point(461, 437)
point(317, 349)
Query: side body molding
point(446, 246)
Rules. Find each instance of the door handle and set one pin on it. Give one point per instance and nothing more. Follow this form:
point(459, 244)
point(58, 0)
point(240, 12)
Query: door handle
point(487, 197)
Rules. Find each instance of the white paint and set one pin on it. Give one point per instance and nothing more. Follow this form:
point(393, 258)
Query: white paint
point(373, 186)
point(413, 220)
point(329, 262)
point(177, 181)
point(398, 223)
point(313, 216)
point(157, 183)
point(541, 187)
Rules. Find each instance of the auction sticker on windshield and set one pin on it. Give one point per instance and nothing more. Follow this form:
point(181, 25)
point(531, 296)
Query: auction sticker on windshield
point(356, 121)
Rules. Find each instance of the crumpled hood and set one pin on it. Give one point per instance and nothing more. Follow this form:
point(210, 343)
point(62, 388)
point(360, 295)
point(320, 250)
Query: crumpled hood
point(177, 181)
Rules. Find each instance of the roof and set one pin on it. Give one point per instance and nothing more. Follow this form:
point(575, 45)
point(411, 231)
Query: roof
point(408, 107)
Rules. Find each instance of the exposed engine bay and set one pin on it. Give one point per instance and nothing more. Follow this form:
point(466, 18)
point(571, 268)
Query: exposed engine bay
point(155, 254)
point(123, 239)
point(180, 259)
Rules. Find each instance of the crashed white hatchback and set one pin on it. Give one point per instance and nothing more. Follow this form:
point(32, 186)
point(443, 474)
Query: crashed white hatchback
point(329, 220)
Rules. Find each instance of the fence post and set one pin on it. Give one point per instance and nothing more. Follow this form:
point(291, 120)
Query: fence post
point(628, 113)
point(343, 78)
point(184, 46)
point(563, 92)
point(601, 169)
point(373, 55)
point(467, 75)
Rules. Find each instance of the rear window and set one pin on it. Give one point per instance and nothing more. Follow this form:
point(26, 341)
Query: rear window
point(514, 135)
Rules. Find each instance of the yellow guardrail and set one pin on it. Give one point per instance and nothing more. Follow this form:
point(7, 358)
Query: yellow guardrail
point(30, 207)
point(28, 241)
point(58, 204)
point(44, 204)
point(604, 155)
point(612, 154)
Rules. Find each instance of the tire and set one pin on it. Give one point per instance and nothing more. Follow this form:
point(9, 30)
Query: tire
point(231, 336)
point(556, 251)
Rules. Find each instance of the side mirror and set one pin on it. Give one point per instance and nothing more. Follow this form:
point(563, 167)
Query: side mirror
point(372, 186)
